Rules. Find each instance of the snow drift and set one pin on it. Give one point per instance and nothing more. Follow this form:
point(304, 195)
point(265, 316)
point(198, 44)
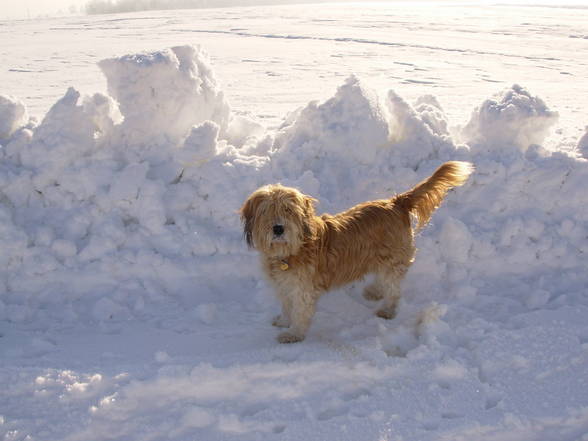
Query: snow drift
point(133, 197)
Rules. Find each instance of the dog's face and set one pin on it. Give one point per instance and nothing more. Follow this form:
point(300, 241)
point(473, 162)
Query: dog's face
point(278, 220)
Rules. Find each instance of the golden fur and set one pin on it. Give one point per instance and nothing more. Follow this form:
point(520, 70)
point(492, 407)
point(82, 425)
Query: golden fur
point(311, 254)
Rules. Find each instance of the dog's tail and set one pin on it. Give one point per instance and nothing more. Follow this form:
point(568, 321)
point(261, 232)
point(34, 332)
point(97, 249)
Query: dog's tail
point(426, 196)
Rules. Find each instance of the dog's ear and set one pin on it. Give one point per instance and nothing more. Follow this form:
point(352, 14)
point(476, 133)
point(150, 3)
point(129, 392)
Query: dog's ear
point(308, 223)
point(247, 213)
point(309, 203)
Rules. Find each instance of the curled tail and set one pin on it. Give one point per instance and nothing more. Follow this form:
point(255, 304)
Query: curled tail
point(426, 196)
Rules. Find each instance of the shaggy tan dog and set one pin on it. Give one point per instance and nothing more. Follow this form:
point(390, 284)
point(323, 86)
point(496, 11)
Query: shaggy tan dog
point(305, 255)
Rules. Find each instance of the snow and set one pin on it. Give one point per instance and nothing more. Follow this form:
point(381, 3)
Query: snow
point(153, 111)
point(130, 308)
point(583, 145)
point(13, 115)
point(517, 120)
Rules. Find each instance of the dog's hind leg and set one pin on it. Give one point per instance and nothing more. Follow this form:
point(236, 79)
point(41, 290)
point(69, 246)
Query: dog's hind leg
point(389, 284)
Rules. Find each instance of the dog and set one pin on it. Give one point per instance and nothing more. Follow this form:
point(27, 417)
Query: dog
point(305, 255)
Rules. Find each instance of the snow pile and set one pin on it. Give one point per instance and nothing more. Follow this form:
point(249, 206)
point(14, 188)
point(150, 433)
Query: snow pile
point(360, 142)
point(515, 119)
point(135, 199)
point(163, 94)
point(327, 146)
point(13, 115)
point(351, 125)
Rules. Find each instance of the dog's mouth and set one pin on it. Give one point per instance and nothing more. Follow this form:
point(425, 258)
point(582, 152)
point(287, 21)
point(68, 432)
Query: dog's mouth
point(279, 239)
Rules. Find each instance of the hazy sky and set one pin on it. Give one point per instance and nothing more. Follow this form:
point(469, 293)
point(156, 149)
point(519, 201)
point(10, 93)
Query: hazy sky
point(33, 8)
point(10, 9)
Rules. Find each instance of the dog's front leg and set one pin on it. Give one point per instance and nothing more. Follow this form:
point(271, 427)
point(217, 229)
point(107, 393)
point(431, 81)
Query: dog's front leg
point(303, 308)
point(283, 320)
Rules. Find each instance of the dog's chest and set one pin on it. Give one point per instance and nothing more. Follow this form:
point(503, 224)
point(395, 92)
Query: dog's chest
point(287, 271)
point(292, 275)
point(280, 268)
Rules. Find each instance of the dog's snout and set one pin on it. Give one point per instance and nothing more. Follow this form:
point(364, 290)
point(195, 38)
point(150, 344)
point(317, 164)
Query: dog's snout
point(278, 230)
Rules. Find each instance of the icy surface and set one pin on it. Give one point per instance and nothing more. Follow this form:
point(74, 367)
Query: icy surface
point(130, 308)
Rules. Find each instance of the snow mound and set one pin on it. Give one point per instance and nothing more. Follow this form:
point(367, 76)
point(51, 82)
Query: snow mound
point(356, 141)
point(328, 145)
point(352, 124)
point(134, 197)
point(163, 94)
point(513, 120)
point(13, 115)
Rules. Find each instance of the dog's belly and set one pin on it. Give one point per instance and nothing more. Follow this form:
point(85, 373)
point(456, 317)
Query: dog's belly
point(348, 264)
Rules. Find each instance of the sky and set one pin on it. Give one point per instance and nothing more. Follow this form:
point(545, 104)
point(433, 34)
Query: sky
point(10, 9)
point(22, 9)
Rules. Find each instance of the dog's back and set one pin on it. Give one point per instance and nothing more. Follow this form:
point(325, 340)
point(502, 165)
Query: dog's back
point(361, 240)
point(376, 236)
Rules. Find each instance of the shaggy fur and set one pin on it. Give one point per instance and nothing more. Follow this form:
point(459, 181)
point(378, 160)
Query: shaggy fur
point(305, 255)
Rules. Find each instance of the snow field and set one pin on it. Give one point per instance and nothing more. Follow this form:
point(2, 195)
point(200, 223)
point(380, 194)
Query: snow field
point(119, 221)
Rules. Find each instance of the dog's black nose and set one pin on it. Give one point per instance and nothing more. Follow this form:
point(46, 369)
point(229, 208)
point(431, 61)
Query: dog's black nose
point(278, 230)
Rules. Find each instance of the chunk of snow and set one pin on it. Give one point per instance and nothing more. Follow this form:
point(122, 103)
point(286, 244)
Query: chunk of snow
point(155, 113)
point(13, 115)
point(515, 119)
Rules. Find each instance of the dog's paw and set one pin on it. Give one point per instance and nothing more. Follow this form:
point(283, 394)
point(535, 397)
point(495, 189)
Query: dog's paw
point(281, 322)
point(371, 292)
point(386, 313)
point(288, 337)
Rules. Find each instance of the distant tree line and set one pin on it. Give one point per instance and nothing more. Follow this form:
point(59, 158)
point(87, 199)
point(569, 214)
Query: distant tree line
point(117, 6)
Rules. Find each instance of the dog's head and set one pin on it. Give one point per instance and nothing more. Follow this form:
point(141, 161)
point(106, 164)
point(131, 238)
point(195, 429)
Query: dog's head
point(278, 220)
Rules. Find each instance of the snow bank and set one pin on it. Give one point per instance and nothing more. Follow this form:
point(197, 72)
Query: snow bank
point(514, 119)
point(133, 197)
point(13, 115)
